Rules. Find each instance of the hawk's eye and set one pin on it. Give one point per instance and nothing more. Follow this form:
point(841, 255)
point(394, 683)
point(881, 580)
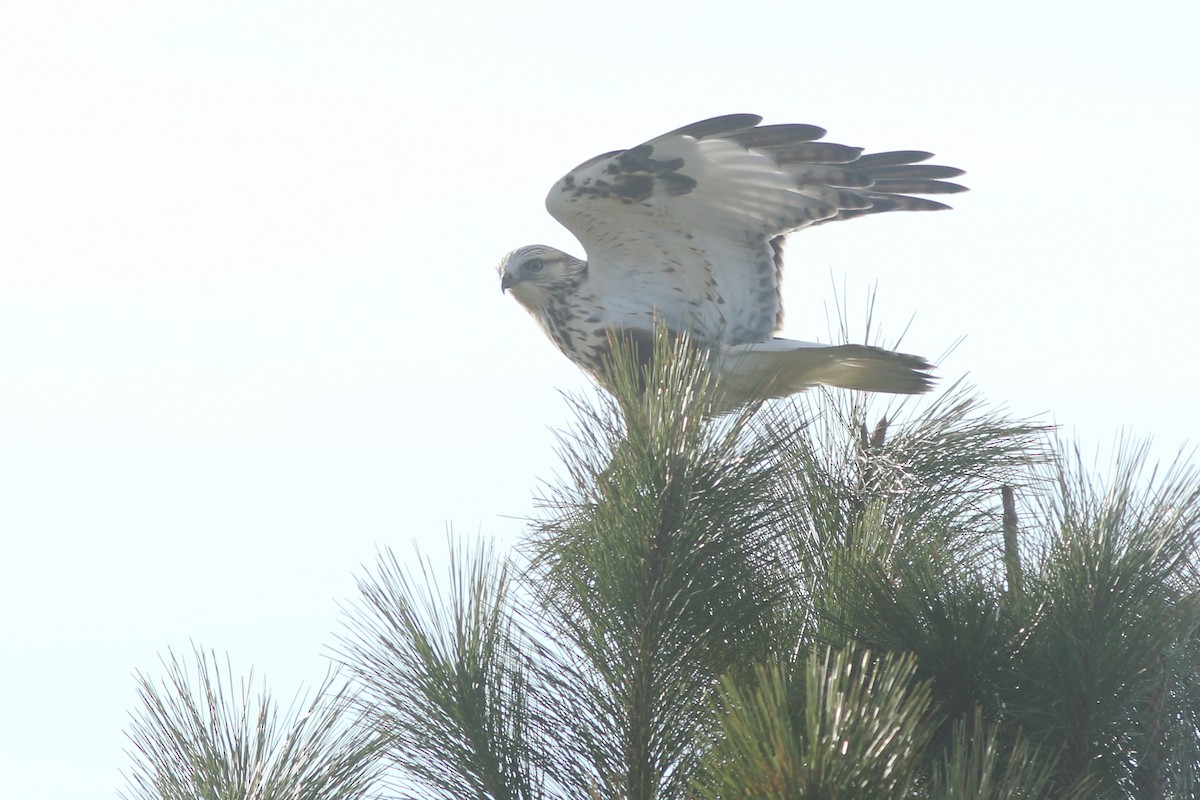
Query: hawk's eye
point(534, 265)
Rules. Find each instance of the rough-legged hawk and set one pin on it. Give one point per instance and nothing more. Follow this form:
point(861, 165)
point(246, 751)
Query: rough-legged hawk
point(687, 230)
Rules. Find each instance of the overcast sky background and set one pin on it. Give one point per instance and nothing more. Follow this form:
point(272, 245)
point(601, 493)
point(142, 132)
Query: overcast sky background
point(250, 327)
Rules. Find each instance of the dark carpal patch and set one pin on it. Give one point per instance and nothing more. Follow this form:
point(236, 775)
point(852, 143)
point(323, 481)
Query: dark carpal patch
point(677, 184)
point(634, 187)
point(632, 176)
point(634, 160)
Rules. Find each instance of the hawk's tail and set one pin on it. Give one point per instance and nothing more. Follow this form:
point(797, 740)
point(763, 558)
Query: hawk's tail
point(782, 367)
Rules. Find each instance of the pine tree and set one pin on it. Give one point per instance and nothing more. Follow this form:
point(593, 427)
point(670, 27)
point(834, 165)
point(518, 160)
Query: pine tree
point(214, 738)
point(809, 600)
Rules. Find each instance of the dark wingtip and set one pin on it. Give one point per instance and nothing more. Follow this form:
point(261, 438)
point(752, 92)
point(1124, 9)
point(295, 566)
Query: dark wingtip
point(716, 126)
point(893, 157)
point(769, 136)
point(916, 186)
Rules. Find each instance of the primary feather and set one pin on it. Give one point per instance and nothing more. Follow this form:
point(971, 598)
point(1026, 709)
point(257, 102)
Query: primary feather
point(687, 230)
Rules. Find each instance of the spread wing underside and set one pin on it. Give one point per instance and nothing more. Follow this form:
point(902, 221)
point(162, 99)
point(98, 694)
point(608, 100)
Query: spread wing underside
point(689, 226)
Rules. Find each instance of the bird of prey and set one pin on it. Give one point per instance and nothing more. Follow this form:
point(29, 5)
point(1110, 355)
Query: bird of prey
point(687, 231)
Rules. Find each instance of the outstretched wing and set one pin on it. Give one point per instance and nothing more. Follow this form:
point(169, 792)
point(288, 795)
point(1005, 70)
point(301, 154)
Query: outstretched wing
point(689, 226)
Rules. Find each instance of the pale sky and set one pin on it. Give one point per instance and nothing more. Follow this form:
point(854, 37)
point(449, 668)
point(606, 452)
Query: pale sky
point(251, 329)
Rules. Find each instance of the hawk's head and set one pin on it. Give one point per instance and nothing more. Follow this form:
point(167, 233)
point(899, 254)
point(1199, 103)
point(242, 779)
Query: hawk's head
point(537, 275)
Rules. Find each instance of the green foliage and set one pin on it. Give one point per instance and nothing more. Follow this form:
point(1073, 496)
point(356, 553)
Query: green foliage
point(1109, 666)
point(445, 679)
point(657, 571)
point(859, 733)
point(935, 470)
point(976, 767)
point(806, 600)
point(913, 596)
point(213, 740)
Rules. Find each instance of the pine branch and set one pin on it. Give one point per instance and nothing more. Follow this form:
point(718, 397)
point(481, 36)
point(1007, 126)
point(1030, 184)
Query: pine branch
point(659, 567)
point(1116, 592)
point(859, 735)
point(447, 679)
point(977, 766)
point(213, 739)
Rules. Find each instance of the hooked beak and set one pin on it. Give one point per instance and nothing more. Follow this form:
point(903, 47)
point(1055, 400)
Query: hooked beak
point(506, 281)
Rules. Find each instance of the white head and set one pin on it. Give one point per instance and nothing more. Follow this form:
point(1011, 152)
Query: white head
point(538, 275)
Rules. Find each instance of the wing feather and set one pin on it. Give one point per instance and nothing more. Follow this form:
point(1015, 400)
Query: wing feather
point(924, 171)
point(717, 126)
point(689, 226)
point(775, 135)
